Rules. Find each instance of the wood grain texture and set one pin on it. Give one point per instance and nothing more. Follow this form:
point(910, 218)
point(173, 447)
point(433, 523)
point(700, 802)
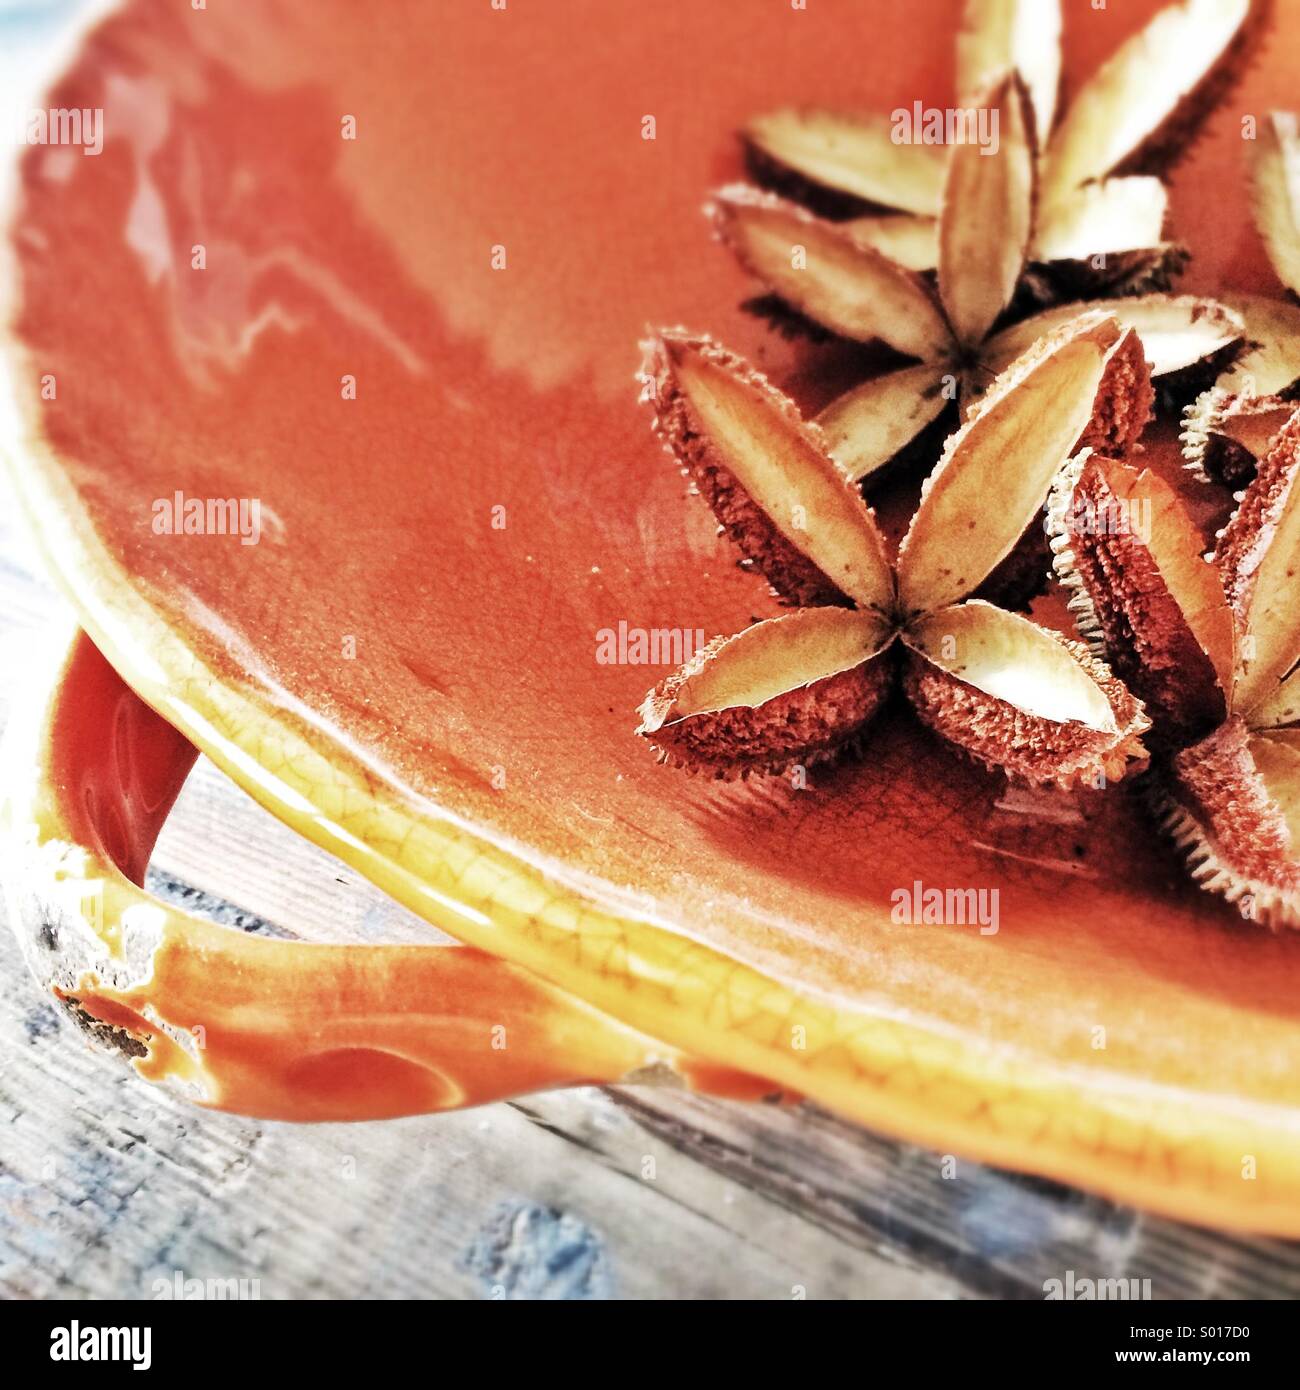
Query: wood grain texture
point(107, 1185)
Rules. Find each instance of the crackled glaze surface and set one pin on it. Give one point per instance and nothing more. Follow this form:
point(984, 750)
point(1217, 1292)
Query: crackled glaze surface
point(720, 918)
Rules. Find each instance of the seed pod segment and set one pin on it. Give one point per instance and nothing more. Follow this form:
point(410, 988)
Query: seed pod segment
point(1143, 106)
point(996, 470)
point(867, 426)
point(998, 36)
point(1019, 698)
point(1230, 804)
point(1258, 554)
point(766, 474)
point(854, 156)
point(988, 217)
point(1142, 594)
point(1180, 333)
point(796, 689)
point(828, 275)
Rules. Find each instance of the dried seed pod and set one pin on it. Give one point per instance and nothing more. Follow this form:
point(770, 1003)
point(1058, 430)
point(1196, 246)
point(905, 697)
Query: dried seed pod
point(1230, 803)
point(1019, 698)
point(796, 689)
point(859, 279)
point(1134, 117)
point(1212, 647)
point(834, 275)
point(766, 474)
point(1142, 594)
point(803, 687)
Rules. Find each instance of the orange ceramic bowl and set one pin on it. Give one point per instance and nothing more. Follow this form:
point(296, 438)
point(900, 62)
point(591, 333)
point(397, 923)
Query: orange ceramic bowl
point(415, 350)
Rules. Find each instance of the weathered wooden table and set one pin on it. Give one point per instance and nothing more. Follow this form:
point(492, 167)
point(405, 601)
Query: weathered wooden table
point(108, 1185)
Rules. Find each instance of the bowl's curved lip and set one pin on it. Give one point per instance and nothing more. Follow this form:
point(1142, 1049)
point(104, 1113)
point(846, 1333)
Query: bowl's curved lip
point(1113, 1134)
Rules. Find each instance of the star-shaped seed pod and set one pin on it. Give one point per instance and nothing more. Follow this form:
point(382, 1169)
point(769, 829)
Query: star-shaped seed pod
point(1211, 646)
point(826, 274)
point(803, 687)
point(1101, 223)
point(1227, 428)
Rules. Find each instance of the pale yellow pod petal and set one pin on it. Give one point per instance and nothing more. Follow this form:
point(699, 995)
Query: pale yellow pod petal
point(1142, 105)
point(867, 426)
point(987, 216)
point(997, 36)
point(997, 469)
point(852, 154)
point(822, 271)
